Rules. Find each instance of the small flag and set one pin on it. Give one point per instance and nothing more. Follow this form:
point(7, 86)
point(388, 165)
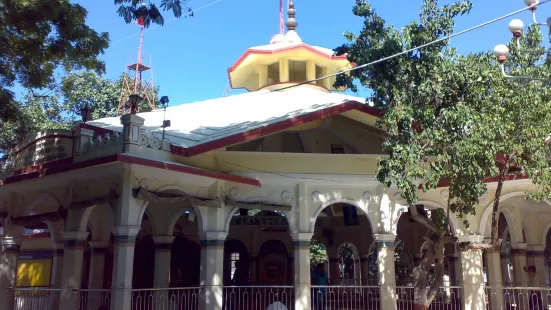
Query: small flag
point(140, 21)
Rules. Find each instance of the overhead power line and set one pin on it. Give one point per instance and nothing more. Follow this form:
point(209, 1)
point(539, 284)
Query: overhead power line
point(414, 48)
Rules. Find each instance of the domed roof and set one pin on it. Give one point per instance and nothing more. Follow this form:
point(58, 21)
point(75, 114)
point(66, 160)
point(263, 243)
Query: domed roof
point(278, 38)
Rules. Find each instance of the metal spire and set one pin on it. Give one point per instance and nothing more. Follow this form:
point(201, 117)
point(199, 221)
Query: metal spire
point(291, 22)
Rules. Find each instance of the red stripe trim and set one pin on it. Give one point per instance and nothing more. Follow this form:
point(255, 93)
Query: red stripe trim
point(50, 164)
point(131, 160)
point(188, 170)
point(273, 128)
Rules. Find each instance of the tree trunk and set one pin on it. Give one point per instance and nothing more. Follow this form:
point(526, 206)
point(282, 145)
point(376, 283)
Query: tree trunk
point(495, 210)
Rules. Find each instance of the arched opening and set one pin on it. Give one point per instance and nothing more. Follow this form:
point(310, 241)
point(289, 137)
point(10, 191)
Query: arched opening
point(252, 228)
point(349, 264)
point(236, 263)
point(273, 261)
point(185, 258)
point(144, 256)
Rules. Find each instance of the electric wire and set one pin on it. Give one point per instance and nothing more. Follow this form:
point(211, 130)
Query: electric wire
point(413, 49)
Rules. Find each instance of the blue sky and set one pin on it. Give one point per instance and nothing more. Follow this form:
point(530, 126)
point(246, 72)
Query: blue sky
point(190, 55)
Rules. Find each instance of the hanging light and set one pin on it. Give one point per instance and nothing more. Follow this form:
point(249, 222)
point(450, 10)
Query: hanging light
point(134, 100)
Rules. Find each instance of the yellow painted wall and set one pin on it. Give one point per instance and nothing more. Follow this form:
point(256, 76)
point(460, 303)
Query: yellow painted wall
point(34, 272)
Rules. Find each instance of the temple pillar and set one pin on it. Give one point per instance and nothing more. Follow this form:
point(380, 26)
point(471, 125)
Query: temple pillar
point(495, 279)
point(73, 255)
point(124, 241)
point(212, 270)
point(301, 242)
point(387, 274)
point(8, 270)
point(518, 253)
point(472, 274)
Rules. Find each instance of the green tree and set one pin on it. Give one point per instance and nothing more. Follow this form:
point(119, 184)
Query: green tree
point(318, 254)
point(448, 118)
point(132, 10)
point(101, 95)
point(38, 37)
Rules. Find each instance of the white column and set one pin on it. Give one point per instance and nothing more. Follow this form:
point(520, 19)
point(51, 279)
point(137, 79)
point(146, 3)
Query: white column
point(505, 270)
point(357, 272)
point(518, 253)
point(163, 248)
point(8, 270)
point(97, 264)
point(71, 275)
point(472, 274)
point(495, 279)
point(301, 242)
point(124, 240)
point(57, 265)
point(364, 259)
point(387, 275)
point(212, 270)
point(534, 257)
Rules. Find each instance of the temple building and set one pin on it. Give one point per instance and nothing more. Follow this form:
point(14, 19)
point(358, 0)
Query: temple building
point(224, 208)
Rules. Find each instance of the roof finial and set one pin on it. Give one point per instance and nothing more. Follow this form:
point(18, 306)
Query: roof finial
point(291, 22)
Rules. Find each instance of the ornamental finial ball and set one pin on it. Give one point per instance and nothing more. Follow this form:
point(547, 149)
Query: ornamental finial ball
point(516, 26)
point(531, 2)
point(501, 51)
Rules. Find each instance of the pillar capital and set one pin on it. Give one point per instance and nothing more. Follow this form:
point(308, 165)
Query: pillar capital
point(125, 235)
point(535, 248)
point(470, 238)
point(302, 236)
point(384, 241)
point(214, 235)
point(520, 246)
point(10, 244)
point(74, 239)
point(163, 242)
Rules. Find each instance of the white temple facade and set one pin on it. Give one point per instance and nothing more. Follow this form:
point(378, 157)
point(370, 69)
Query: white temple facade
point(221, 210)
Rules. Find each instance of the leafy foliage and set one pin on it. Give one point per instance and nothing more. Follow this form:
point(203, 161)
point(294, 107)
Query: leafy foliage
point(132, 10)
point(318, 254)
point(452, 120)
point(39, 36)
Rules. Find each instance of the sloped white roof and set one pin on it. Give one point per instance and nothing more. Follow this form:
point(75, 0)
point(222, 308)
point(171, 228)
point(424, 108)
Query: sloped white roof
point(200, 122)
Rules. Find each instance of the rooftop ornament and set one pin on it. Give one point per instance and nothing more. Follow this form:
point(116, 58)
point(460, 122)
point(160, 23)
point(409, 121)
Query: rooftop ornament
point(516, 27)
point(86, 113)
point(134, 100)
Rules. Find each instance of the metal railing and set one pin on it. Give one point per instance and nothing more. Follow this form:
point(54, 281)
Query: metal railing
point(259, 297)
point(345, 297)
point(93, 299)
point(35, 298)
point(526, 298)
point(447, 298)
point(166, 299)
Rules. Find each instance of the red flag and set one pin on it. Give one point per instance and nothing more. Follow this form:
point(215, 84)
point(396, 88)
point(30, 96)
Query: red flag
point(140, 21)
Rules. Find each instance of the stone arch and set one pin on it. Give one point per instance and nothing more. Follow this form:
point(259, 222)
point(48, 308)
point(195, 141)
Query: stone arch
point(357, 203)
point(197, 211)
point(486, 218)
point(432, 205)
point(41, 198)
point(176, 216)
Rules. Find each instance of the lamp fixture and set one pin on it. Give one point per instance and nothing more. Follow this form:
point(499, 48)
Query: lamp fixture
point(134, 101)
